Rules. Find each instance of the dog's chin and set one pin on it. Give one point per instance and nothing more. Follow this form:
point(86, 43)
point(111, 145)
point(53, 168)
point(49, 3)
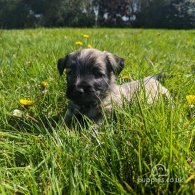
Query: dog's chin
point(83, 102)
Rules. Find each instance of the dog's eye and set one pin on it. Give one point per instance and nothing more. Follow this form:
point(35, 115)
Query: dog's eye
point(98, 74)
point(68, 71)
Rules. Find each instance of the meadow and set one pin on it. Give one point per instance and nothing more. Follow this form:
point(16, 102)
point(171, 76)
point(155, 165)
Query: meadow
point(38, 155)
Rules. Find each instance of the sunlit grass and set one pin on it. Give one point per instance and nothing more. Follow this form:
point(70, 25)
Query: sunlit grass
point(38, 155)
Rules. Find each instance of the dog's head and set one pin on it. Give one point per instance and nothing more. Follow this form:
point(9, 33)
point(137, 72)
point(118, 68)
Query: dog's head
point(90, 73)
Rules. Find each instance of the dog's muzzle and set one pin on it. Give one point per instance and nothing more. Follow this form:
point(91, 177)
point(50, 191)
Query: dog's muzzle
point(83, 88)
point(83, 93)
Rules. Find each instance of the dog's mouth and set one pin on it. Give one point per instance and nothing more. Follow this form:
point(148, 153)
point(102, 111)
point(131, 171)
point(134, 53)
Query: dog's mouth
point(85, 98)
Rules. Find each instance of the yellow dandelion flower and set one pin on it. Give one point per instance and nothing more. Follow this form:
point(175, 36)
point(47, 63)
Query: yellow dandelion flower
point(26, 102)
point(78, 43)
point(190, 99)
point(85, 36)
point(44, 84)
point(89, 46)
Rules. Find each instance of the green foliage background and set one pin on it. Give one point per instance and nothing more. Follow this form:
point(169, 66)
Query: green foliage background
point(169, 14)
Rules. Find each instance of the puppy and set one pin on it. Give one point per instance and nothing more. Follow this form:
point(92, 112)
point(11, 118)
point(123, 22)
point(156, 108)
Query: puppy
point(91, 84)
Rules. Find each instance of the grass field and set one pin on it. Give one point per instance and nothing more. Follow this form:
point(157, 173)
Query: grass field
point(40, 156)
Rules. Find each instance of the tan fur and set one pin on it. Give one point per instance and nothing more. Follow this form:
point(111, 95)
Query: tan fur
point(129, 91)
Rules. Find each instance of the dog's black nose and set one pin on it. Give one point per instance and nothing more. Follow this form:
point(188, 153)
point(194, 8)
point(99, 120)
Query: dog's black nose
point(83, 87)
point(79, 90)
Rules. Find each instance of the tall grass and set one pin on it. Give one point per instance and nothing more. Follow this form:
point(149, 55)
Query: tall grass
point(38, 155)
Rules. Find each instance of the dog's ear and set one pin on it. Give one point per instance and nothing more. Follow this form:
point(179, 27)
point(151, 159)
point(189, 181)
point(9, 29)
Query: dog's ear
point(61, 65)
point(116, 63)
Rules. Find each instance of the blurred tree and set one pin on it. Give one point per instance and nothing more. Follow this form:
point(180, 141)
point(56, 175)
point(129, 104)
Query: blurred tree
point(79, 13)
point(13, 14)
point(65, 12)
point(166, 14)
point(29, 13)
point(88, 13)
point(181, 14)
point(53, 11)
point(116, 13)
point(152, 13)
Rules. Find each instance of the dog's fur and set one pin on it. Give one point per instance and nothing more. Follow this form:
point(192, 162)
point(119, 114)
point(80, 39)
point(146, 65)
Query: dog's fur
point(91, 84)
